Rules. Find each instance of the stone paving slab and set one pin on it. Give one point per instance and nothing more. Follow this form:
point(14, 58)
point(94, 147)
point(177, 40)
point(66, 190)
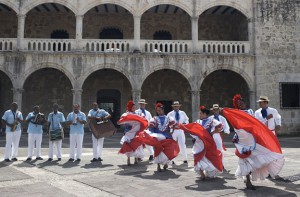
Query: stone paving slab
point(8, 173)
point(36, 189)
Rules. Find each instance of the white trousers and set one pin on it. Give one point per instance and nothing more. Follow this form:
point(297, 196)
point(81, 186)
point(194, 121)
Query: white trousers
point(150, 149)
point(76, 141)
point(97, 147)
point(178, 135)
point(12, 142)
point(34, 139)
point(57, 144)
point(219, 143)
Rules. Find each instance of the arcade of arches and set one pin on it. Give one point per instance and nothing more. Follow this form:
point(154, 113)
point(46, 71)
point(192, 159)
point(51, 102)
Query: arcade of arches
point(6, 93)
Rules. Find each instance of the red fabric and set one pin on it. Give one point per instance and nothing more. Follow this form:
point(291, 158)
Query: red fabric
point(263, 136)
point(199, 156)
point(244, 155)
point(158, 105)
point(135, 118)
point(132, 146)
point(212, 153)
point(168, 146)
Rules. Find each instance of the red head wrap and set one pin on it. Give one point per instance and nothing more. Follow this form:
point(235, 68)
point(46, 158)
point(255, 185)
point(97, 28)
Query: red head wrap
point(204, 109)
point(159, 105)
point(129, 105)
point(235, 100)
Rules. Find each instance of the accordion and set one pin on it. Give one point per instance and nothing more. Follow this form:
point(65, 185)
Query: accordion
point(102, 129)
point(39, 119)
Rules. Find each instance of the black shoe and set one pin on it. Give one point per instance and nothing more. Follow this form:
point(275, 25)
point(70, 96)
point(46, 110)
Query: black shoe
point(173, 163)
point(14, 159)
point(140, 159)
point(50, 159)
point(151, 158)
point(185, 162)
point(28, 159)
point(59, 159)
point(94, 159)
point(78, 160)
point(7, 160)
point(71, 159)
point(99, 159)
point(39, 158)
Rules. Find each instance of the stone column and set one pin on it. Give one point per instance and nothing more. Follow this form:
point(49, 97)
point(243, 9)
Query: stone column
point(79, 26)
point(77, 96)
point(195, 41)
point(21, 30)
point(17, 96)
point(251, 35)
point(195, 104)
point(136, 96)
point(137, 33)
point(252, 103)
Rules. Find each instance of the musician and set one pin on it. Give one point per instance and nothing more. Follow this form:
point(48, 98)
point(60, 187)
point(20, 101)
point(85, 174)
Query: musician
point(76, 120)
point(99, 115)
point(146, 114)
point(12, 119)
point(178, 134)
point(55, 119)
point(35, 122)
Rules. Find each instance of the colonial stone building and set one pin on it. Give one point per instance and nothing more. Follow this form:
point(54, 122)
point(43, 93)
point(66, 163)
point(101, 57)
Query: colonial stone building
point(194, 51)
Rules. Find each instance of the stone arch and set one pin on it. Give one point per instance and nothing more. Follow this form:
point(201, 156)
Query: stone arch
point(93, 69)
point(32, 5)
point(40, 66)
point(237, 70)
point(9, 75)
point(180, 70)
point(11, 5)
point(6, 93)
point(240, 8)
point(184, 7)
point(96, 3)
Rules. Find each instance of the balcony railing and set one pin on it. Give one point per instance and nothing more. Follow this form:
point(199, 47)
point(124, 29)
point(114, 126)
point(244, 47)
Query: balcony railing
point(8, 44)
point(117, 46)
point(94, 45)
point(224, 47)
point(166, 46)
point(49, 45)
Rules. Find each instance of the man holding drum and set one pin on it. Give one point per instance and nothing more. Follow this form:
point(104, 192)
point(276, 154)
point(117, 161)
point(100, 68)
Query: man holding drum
point(55, 119)
point(98, 115)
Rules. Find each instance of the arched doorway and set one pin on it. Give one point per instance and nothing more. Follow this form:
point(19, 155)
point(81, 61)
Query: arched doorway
point(9, 22)
point(45, 87)
point(223, 23)
point(166, 86)
point(110, 89)
point(48, 18)
point(220, 86)
point(6, 93)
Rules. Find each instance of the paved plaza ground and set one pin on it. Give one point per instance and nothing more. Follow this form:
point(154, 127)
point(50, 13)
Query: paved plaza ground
point(113, 177)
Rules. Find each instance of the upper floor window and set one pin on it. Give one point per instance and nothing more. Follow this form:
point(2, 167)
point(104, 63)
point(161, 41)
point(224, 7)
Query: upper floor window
point(111, 33)
point(60, 34)
point(290, 95)
point(162, 35)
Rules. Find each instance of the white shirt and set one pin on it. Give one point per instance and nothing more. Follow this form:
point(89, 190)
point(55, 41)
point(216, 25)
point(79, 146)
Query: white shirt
point(272, 122)
point(224, 122)
point(183, 119)
point(148, 115)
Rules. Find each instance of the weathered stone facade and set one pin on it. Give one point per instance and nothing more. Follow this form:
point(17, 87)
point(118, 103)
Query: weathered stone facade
point(246, 51)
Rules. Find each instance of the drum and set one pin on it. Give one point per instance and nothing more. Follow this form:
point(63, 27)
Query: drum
point(102, 129)
point(56, 134)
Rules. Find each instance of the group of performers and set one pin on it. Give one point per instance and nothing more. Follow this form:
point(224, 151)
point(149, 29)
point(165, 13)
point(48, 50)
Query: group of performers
point(163, 135)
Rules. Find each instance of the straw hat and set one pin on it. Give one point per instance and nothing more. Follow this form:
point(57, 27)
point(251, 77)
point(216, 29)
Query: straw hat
point(263, 99)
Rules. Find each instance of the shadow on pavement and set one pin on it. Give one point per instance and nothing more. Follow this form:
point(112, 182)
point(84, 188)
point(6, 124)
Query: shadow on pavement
point(206, 185)
point(96, 165)
point(163, 175)
point(267, 191)
point(288, 184)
